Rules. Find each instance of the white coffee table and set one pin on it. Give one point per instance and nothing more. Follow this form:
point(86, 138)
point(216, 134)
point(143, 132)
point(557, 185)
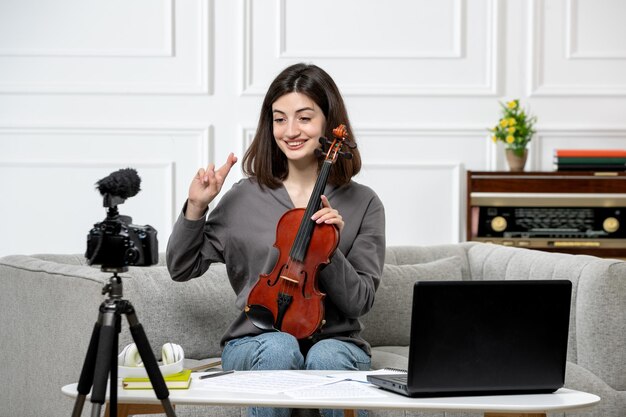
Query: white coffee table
point(531, 405)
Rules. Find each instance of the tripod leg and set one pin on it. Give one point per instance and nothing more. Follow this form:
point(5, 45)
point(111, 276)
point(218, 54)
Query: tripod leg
point(103, 363)
point(113, 387)
point(150, 363)
point(86, 375)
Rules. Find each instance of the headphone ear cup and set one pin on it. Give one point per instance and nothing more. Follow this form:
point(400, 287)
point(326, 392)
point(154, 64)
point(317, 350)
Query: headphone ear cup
point(179, 354)
point(167, 353)
point(171, 353)
point(130, 356)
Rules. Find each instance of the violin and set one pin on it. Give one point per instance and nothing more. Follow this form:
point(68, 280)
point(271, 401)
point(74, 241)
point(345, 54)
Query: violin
point(288, 298)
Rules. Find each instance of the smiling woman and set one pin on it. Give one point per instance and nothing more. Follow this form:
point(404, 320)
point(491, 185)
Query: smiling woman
point(317, 90)
point(302, 105)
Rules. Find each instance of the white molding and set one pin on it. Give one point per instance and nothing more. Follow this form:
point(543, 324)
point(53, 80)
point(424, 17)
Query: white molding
point(535, 83)
point(490, 87)
point(455, 52)
point(201, 86)
point(205, 138)
point(246, 38)
point(247, 135)
point(205, 144)
point(113, 164)
point(165, 50)
point(456, 195)
point(586, 130)
point(571, 39)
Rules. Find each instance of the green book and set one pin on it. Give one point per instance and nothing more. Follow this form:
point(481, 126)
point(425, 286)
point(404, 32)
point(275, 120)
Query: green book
point(589, 160)
point(181, 380)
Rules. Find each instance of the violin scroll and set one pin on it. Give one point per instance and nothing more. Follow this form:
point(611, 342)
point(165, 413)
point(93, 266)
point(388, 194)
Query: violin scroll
point(340, 132)
point(333, 148)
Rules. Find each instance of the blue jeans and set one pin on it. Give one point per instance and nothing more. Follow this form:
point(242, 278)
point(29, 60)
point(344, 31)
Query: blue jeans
point(280, 351)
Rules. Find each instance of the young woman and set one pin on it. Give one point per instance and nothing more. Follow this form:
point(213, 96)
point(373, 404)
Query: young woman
point(301, 105)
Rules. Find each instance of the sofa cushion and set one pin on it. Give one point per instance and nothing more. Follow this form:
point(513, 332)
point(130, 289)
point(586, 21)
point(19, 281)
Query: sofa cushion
point(389, 320)
point(396, 357)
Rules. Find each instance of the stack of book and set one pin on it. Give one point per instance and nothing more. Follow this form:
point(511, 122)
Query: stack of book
point(180, 380)
point(590, 159)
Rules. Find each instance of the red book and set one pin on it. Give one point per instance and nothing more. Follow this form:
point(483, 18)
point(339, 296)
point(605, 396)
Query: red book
point(615, 153)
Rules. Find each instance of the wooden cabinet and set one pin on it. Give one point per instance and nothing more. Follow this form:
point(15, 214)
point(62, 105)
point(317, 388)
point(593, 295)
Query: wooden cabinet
point(571, 212)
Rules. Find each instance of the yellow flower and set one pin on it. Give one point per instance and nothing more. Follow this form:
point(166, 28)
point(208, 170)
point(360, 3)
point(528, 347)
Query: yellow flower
point(511, 104)
point(512, 121)
point(511, 130)
point(510, 139)
point(494, 138)
point(504, 122)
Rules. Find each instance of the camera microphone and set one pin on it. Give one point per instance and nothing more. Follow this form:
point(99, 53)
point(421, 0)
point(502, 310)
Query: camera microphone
point(123, 183)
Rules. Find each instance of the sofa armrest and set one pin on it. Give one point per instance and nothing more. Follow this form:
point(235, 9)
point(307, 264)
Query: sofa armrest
point(597, 338)
point(601, 323)
point(49, 311)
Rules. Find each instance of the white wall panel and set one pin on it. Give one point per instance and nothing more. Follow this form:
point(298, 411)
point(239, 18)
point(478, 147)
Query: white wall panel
point(550, 139)
point(577, 48)
point(422, 201)
point(417, 173)
point(48, 176)
point(145, 47)
point(94, 29)
point(594, 32)
point(340, 35)
point(443, 48)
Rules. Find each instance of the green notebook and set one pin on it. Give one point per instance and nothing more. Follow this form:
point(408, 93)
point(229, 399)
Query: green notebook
point(181, 380)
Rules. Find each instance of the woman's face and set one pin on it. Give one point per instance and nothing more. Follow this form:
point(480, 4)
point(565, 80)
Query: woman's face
point(298, 124)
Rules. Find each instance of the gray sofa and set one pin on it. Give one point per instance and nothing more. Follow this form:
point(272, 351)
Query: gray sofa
point(49, 304)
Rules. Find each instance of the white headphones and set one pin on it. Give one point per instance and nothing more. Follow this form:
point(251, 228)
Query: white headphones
point(170, 353)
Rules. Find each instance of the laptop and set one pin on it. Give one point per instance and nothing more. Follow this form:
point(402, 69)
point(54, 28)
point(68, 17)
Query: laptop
point(485, 338)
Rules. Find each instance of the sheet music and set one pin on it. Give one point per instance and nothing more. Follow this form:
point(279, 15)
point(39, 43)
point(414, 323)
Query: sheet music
point(342, 389)
point(361, 376)
point(261, 382)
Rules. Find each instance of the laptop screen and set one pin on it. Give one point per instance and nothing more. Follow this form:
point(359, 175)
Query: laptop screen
point(489, 336)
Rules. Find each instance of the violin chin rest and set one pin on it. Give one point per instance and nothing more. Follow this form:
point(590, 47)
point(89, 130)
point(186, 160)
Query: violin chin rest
point(260, 316)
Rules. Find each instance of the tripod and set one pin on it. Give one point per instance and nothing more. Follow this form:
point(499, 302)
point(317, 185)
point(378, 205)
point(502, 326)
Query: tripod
point(101, 358)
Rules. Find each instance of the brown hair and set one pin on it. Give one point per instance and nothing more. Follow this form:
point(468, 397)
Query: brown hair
point(264, 160)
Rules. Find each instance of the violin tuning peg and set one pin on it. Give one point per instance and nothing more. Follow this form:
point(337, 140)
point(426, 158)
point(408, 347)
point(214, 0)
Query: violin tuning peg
point(323, 140)
point(346, 155)
point(319, 153)
point(349, 144)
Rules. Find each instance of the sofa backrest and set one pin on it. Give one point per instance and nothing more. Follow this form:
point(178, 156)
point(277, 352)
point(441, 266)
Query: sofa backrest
point(597, 318)
point(388, 322)
point(194, 314)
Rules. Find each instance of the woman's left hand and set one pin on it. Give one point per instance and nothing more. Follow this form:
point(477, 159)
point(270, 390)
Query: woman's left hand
point(328, 215)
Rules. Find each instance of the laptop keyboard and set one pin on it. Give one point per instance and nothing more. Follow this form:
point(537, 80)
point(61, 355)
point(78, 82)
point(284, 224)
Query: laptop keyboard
point(400, 378)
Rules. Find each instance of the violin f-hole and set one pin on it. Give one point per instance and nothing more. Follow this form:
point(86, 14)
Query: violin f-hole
point(271, 283)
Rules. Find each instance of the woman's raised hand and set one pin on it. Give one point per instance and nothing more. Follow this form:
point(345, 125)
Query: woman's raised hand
point(205, 186)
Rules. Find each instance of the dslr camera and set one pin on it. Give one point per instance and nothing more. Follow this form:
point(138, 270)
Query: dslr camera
point(116, 243)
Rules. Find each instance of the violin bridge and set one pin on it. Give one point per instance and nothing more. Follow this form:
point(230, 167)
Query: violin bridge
point(289, 279)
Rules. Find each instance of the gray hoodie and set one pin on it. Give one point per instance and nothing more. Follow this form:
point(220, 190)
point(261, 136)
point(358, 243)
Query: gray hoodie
point(241, 232)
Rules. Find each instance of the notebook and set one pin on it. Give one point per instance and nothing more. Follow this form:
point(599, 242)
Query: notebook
point(485, 338)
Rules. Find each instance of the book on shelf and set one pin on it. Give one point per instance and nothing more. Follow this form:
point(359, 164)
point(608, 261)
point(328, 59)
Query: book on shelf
point(566, 160)
point(590, 167)
point(590, 153)
point(180, 380)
